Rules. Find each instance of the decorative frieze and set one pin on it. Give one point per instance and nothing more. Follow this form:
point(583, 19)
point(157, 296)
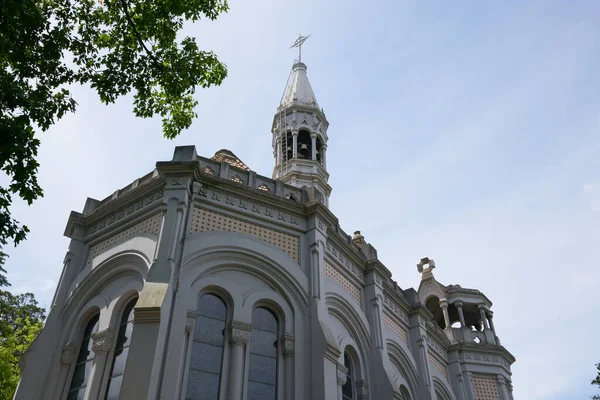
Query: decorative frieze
point(150, 226)
point(487, 358)
point(332, 272)
point(436, 347)
point(396, 328)
point(235, 201)
point(125, 211)
point(207, 221)
point(335, 253)
point(395, 307)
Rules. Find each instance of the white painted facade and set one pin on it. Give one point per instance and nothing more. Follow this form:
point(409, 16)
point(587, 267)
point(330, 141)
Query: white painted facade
point(198, 229)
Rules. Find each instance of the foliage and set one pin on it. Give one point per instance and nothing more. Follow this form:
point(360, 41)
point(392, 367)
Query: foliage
point(20, 321)
point(596, 381)
point(12, 349)
point(115, 46)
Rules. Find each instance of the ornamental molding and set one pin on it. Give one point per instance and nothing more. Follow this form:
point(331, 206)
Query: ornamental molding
point(146, 315)
point(288, 344)
point(238, 202)
point(68, 354)
point(342, 371)
point(487, 359)
point(102, 340)
point(395, 307)
point(239, 332)
point(336, 254)
point(437, 348)
point(125, 211)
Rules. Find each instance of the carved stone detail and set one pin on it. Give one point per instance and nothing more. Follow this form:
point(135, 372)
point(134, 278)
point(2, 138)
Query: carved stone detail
point(362, 390)
point(102, 340)
point(288, 344)
point(341, 374)
point(239, 332)
point(68, 354)
point(190, 321)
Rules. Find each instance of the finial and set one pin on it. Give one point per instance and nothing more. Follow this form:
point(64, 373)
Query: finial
point(298, 43)
point(425, 261)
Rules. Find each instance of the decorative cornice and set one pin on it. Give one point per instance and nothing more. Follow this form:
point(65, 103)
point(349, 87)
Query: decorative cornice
point(67, 355)
point(343, 260)
point(146, 315)
point(234, 201)
point(102, 340)
point(239, 332)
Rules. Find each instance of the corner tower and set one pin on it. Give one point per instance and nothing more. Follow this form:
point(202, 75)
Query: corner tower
point(300, 136)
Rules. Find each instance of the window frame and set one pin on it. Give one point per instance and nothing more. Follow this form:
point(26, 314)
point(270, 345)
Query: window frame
point(279, 368)
point(80, 335)
point(189, 342)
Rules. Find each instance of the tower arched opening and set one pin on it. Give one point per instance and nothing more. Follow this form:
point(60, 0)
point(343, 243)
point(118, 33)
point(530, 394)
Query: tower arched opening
point(304, 145)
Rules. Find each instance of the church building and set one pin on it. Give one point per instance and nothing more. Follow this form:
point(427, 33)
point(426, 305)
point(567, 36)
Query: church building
point(204, 280)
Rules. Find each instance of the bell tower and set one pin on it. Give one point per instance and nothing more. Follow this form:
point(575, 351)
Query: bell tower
point(300, 134)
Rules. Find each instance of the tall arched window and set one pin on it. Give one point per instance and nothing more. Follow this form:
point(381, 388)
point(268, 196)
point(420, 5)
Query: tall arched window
point(204, 377)
point(121, 351)
point(83, 366)
point(262, 373)
point(348, 388)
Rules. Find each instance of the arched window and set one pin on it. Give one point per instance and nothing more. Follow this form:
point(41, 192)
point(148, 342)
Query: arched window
point(204, 377)
point(121, 351)
point(83, 366)
point(262, 374)
point(348, 388)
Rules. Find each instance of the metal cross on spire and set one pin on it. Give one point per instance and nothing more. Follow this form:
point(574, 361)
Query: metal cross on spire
point(298, 43)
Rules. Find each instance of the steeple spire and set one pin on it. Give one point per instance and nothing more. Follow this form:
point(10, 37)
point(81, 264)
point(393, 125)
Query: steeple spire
point(300, 135)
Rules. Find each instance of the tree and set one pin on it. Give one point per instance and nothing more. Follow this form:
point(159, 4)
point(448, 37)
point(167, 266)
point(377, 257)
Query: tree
point(12, 349)
point(20, 322)
point(115, 46)
point(597, 382)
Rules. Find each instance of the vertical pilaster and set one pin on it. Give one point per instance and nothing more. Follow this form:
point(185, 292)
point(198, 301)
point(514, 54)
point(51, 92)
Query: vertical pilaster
point(239, 336)
point(324, 155)
point(102, 343)
point(288, 346)
point(67, 357)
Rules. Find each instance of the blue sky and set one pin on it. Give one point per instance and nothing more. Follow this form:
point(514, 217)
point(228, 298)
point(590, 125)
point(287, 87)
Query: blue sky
point(468, 132)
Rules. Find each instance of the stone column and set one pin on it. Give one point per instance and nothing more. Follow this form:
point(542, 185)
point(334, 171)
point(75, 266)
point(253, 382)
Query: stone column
point(288, 346)
point(67, 357)
point(461, 315)
point(341, 378)
point(323, 155)
point(444, 305)
point(490, 315)
point(295, 144)
point(484, 322)
point(313, 138)
point(239, 336)
point(101, 346)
